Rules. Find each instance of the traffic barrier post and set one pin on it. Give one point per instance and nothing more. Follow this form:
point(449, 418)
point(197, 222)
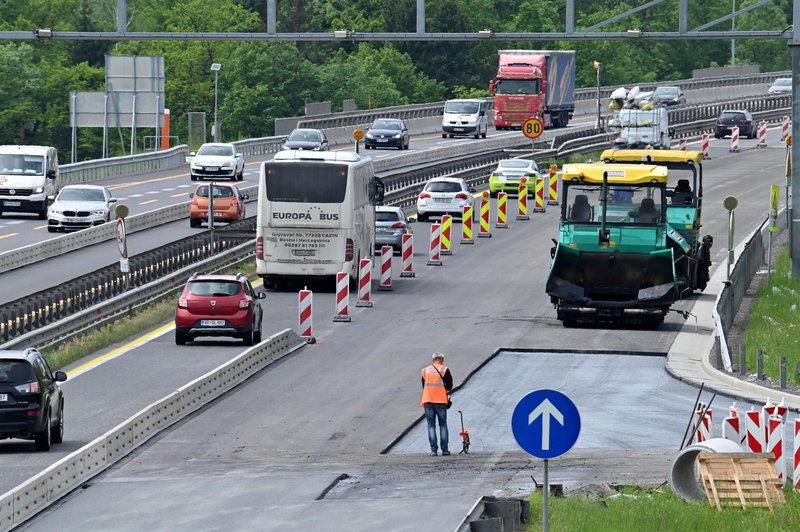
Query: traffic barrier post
point(735, 139)
point(502, 218)
point(466, 225)
point(364, 283)
point(522, 200)
point(762, 135)
point(796, 460)
point(342, 297)
point(731, 427)
point(485, 207)
point(305, 315)
point(775, 443)
point(408, 256)
point(434, 250)
point(386, 268)
point(539, 195)
point(755, 431)
point(785, 127)
point(552, 198)
point(447, 222)
point(706, 149)
point(682, 144)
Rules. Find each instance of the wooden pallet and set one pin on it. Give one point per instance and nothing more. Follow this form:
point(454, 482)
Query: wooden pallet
point(740, 479)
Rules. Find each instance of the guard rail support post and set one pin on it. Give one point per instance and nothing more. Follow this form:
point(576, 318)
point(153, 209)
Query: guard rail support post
point(742, 360)
point(717, 353)
point(760, 364)
point(783, 373)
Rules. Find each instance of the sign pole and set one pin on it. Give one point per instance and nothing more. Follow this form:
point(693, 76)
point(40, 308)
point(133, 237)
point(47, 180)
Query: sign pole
point(545, 498)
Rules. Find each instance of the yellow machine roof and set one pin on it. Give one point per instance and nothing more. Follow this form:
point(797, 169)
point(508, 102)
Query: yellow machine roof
point(619, 174)
point(654, 156)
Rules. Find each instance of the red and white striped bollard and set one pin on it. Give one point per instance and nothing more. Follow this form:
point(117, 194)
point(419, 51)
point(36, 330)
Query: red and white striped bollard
point(386, 268)
point(755, 431)
point(735, 139)
point(434, 258)
point(775, 443)
point(522, 200)
point(785, 127)
point(364, 283)
point(682, 144)
point(706, 150)
point(342, 297)
point(305, 320)
point(408, 256)
point(796, 461)
point(731, 430)
point(762, 135)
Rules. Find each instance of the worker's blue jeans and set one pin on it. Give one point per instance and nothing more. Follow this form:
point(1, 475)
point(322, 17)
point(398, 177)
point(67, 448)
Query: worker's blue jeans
point(433, 411)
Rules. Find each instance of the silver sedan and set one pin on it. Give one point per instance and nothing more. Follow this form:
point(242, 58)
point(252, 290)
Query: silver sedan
point(80, 206)
point(391, 223)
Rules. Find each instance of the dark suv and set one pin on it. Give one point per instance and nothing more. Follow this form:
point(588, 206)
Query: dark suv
point(31, 401)
point(218, 305)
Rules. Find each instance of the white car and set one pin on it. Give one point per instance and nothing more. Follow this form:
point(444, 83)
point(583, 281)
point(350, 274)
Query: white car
point(217, 160)
point(80, 206)
point(444, 195)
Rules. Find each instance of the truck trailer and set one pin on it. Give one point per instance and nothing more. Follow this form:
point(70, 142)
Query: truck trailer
point(534, 84)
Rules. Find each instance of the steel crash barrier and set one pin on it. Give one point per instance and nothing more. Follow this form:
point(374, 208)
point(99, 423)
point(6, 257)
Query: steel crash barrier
point(70, 472)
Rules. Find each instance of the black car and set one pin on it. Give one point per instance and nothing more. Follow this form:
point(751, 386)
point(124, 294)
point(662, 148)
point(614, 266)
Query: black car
point(387, 133)
point(306, 139)
point(31, 401)
point(670, 95)
point(735, 117)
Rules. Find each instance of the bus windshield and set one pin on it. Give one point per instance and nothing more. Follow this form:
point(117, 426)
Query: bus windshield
point(309, 182)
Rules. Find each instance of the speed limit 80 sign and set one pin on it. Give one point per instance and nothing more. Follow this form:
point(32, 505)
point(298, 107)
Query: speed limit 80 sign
point(532, 128)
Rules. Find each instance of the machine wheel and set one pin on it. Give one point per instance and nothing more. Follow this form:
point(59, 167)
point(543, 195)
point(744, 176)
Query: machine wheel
point(407, 145)
point(483, 135)
point(257, 335)
point(240, 175)
point(249, 336)
point(422, 217)
point(195, 222)
point(193, 177)
point(42, 438)
point(444, 135)
point(57, 432)
point(492, 194)
point(569, 324)
point(43, 213)
point(181, 337)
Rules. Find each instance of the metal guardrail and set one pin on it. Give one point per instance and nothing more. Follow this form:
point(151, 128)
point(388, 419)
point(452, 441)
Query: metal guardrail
point(42, 490)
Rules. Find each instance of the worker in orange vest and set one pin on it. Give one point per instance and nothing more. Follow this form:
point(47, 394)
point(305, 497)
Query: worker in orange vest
point(436, 385)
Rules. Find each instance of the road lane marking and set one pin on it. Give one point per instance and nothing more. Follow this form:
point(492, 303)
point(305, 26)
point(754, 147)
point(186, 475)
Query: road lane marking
point(111, 355)
point(148, 201)
point(179, 195)
point(8, 235)
point(39, 227)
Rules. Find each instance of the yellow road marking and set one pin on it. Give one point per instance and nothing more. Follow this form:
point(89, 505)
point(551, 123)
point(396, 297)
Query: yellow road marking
point(179, 195)
point(8, 235)
point(40, 227)
point(121, 350)
point(148, 201)
point(146, 181)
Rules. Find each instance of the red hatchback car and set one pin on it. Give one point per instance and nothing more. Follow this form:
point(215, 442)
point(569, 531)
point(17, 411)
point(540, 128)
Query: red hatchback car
point(219, 305)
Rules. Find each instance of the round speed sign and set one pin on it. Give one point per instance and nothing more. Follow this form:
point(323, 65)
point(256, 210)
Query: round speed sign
point(532, 128)
point(358, 134)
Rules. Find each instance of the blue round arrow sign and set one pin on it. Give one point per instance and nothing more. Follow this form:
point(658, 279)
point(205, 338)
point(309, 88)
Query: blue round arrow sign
point(546, 423)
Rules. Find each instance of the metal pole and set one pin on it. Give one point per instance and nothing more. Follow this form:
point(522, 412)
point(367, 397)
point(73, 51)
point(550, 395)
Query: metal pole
point(730, 244)
point(545, 498)
point(598, 95)
point(733, 41)
point(216, 124)
point(211, 213)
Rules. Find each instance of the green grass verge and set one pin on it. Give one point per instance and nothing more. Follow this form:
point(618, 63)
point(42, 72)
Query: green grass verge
point(143, 320)
point(572, 159)
point(638, 510)
point(774, 324)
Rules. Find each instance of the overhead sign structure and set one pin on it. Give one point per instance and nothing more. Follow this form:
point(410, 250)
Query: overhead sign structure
point(546, 423)
point(532, 128)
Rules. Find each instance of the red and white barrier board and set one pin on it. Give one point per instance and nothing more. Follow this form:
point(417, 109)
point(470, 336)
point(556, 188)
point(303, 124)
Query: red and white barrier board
point(434, 253)
point(305, 320)
point(386, 268)
point(342, 297)
point(364, 283)
point(408, 256)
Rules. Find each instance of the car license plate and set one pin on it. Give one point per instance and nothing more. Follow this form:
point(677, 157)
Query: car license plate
point(12, 203)
point(442, 200)
point(218, 214)
point(212, 168)
point(383, 140)
point(212, 323)
point(72, 220)
point(3, 397)
point(458, 129)
point(303, 252)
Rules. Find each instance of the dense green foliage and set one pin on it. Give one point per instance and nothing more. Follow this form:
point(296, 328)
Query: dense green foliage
point(262, 80)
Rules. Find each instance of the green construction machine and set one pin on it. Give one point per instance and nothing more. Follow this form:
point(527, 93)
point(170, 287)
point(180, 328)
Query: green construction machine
point(629, 239)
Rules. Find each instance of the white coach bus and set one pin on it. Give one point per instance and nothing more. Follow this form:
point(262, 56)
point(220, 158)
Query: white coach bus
point(316, 215)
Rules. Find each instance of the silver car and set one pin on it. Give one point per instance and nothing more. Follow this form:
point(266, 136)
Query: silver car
point(80, 206)
point(781, 86)
point(391, 223)
point(217, 160)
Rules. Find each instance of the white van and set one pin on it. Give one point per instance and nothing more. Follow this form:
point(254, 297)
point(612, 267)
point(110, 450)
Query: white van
point(641, 128)
point(465, 118)
point(28, 179)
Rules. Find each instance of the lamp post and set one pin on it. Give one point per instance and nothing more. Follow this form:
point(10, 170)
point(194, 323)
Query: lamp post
point(215, 68)
point(733, 41)
point(597, 69)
